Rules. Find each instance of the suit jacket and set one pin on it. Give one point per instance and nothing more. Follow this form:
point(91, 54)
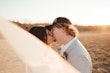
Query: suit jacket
point(78, 57)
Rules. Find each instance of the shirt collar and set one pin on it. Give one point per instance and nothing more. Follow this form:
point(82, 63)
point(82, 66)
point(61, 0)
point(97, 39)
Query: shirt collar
point(65, 47)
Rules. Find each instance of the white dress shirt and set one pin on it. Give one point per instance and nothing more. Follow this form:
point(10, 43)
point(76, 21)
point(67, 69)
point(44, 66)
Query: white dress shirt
point(64, 47)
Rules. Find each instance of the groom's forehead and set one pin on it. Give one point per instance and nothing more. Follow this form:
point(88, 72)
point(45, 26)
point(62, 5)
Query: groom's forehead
point(57, 29)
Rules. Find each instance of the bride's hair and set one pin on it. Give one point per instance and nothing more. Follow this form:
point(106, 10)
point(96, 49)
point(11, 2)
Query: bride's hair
point(39, 32)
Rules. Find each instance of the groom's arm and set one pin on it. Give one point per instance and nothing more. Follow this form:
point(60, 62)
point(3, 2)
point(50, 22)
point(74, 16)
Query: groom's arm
point(82, 64)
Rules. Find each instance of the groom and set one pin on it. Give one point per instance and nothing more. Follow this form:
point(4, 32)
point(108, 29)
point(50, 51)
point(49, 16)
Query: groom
point(76, 54)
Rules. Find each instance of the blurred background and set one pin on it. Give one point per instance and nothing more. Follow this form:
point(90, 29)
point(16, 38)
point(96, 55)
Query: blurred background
point(90, 17)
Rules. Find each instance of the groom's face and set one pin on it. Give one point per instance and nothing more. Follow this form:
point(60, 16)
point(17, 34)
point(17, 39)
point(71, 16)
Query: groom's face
point(58, 34)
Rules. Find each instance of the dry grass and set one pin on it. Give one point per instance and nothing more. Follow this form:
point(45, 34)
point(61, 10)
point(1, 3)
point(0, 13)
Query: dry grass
point(9, 62)
point(98, 45)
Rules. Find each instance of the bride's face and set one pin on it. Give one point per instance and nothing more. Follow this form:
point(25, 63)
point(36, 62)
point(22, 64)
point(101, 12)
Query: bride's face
point(50, 38)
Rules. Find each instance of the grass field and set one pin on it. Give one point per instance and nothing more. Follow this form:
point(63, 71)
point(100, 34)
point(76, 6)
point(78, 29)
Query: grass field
point(97, 43)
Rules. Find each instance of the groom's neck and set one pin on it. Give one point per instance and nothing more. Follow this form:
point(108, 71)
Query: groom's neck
point(68, 39)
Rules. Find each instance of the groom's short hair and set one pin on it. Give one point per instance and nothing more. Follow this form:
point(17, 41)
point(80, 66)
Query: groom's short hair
point(61, 20)
point(64, 22)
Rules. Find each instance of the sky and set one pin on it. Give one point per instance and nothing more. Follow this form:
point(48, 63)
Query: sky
point(82, 12)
